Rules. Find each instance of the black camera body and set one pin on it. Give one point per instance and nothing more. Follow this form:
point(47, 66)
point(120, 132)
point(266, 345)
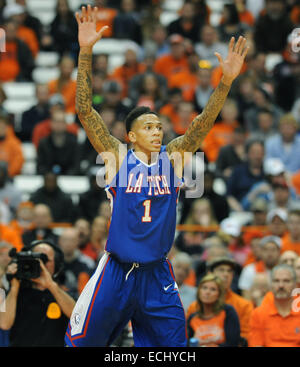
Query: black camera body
point(28, 263)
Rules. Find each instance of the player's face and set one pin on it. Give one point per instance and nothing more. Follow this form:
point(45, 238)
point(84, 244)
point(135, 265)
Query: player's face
point(147, 133)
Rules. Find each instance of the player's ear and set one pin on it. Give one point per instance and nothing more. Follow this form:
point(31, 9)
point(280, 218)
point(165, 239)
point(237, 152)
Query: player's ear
point(132, 136)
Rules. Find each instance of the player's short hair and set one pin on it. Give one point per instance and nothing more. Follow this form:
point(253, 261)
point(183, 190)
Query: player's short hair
point(136, 113)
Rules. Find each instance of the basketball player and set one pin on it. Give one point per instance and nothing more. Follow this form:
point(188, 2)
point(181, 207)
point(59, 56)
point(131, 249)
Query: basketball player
point(134, 280)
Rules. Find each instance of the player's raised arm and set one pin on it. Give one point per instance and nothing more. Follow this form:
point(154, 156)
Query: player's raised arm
point(92, 122)
point(202, 124)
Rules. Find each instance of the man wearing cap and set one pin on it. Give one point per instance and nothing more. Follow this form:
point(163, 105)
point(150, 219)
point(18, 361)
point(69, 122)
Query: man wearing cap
point(270, 253)
point(277, 222)
point(286, 144)
point(224, 267)
point(276, 323)
point(175, 61)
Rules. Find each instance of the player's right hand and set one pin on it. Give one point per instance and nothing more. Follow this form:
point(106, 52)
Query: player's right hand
point(87, 22)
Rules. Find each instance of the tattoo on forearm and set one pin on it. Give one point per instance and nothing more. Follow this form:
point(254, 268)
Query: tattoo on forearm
point(202, 124)
point(92, 122)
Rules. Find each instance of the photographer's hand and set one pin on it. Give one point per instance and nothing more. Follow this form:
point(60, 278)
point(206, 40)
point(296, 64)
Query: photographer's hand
point(45, 281)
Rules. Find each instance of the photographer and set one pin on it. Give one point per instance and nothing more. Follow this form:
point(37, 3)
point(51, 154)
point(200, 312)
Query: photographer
point(37, 309)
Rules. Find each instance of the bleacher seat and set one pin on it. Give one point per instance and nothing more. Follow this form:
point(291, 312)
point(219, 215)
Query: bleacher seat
point(18, 106)
point(44, 75)
point(46, 59)
point(113, 46)
point(19, 90)
point(172, 5)
point(167, 17)
point(44, 10)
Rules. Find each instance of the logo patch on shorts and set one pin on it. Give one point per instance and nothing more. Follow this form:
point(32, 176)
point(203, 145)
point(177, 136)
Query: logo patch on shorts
point(77, 318)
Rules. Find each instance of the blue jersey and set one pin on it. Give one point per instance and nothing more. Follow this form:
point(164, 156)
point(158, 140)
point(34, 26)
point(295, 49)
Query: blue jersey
point(143, 199)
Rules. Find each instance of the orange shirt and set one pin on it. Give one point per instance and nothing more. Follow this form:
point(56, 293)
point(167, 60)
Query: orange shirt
point(179, 127)
point(43, 129)
point(219, 135)
point(247, 17)
point(269, 329)
point(169, 111)
point(9, 65)
point(209, 331)
point(15, 225)
point(186, 81)
point(167, 65)
point(106, 16)
point(242, 306)
point(11, 152)
point(296, 182)
point(125, 73)
point(28, 36)
point(289, 245)
point(7, 234)
point(191, 279)
point(68, 91)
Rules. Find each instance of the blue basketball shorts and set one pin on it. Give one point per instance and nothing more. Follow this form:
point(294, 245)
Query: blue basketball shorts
point(118, 292)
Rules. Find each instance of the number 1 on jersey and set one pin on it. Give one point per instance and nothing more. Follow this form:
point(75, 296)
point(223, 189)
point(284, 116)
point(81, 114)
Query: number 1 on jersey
point(147, 218)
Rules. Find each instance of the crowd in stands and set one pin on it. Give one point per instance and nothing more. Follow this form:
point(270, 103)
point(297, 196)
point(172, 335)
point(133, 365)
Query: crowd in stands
point(236, 257)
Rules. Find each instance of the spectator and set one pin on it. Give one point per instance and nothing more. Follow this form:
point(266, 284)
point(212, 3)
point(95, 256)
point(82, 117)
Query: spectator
point(43, 128)
point(128, 69)
point(24, 218)
point(16, 13)
point(175, 61)
point(218, 202)
point(185, 114)
point(157, 44)
point(42, 220)
point(188, 24)
point(41, 305)
point(105, 17)
point(84, 232)
point(214, 323)
point(201, 213)
point(77, 266)
point(59, 152)
point(231, 155)
point(182, 265)
point(288, 257)
point(63, 30)
point(50, 194)
point(265, 128)
point(17, 63)
point(112, 92)
point(221, 133)
point(259, 209)
point(210, 44)
point(100, 64)
point(9, 194)
point(203, 90)
point(297, 270)
point(36, 114)
point(281, 196)
point(105, 211)
point(150, 93)
point(262, 101)
point(260, 287)
point(99, 231)
point(126, 24)
point(286, 144)
point(170, 109)
point(286, 76)
point(97, 92)
point(167, 127)
point(291, 240)
point(245, 15)
point(118, 130)
point(273, 27)
point(245, 175)
point(276, 323)
point(31, 22)
point(244, 96)
point(277, 222)
point(90, 200)
point(230, 24)
point(65, 85)
point(270, 253)
point(10, 148)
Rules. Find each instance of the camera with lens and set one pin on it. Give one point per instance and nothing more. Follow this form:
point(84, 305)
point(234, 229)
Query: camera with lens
point(28, 263)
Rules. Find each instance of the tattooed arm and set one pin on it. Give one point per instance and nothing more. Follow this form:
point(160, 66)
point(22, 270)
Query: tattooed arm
point(202, 124)
point(92, 122)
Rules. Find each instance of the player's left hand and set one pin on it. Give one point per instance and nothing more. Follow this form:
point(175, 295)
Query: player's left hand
point(232, 65)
